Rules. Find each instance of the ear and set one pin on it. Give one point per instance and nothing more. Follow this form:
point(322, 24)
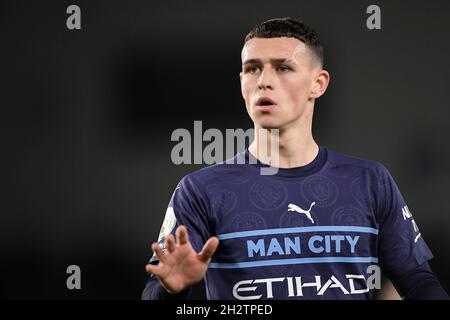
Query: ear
point(320, 84)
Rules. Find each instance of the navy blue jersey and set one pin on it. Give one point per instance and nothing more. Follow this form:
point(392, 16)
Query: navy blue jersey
point(314, 232)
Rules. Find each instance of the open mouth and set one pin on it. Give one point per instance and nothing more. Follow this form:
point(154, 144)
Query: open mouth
point(265, 102)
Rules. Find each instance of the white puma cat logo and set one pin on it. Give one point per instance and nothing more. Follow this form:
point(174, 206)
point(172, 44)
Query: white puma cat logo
point(293, 207)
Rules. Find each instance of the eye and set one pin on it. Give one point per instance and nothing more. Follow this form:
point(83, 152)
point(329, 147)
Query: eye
point(251, 69)
point(283, 69)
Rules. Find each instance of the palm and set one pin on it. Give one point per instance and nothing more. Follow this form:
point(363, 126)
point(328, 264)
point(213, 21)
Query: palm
point(180, 266)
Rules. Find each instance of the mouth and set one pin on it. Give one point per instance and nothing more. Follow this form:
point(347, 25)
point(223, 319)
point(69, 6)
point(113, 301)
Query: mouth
point(265, 103)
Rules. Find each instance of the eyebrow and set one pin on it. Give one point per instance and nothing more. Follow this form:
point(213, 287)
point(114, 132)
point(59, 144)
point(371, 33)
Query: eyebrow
point(273, 61)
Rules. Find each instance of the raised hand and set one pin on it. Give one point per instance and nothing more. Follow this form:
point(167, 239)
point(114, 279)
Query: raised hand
point(180, 266)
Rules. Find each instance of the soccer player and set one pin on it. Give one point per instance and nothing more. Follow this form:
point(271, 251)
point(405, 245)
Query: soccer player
point(319, 228)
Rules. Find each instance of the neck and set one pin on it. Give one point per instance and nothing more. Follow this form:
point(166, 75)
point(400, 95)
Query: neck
point(296, 145)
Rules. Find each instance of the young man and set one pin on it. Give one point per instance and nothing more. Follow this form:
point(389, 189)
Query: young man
point(317, 229)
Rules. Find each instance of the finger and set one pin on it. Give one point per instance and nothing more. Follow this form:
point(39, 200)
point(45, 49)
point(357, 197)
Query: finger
point(170, 243)
point(208, 249)
point(152, 269)
point(158, 252)
point(182, 235)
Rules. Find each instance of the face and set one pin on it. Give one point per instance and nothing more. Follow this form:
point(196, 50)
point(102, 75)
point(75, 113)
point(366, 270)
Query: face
point(279, 80)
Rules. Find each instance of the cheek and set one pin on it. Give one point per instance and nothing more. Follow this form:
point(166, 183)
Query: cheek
point(246, 88)
point(297, 90)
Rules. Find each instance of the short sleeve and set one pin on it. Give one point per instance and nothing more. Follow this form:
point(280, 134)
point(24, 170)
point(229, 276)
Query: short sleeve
point(401, 245)
point(188, 206)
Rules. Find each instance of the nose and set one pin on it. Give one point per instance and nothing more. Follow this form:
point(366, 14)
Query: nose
point(265, 79)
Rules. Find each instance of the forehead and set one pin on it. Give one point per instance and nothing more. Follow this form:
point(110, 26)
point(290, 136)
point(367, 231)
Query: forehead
point(273, 48)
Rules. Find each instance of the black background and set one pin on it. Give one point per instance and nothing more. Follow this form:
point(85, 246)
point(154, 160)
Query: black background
point(87, 117)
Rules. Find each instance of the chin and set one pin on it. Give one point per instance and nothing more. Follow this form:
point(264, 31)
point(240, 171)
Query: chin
point(269, 125)
point(268, 121)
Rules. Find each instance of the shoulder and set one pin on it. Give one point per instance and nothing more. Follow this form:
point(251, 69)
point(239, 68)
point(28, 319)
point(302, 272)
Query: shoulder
point(223, 171)
point(342, 161)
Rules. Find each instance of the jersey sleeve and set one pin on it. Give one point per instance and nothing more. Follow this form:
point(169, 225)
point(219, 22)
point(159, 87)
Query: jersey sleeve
point(401, 246)
point(188, 206)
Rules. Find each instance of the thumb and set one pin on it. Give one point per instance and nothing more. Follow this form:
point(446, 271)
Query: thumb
point(208, 249)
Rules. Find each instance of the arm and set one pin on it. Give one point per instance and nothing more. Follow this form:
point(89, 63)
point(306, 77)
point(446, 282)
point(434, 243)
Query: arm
point(176, 263)
point(179, 267)
point(155, 291)
point(403, 251)
point(420, 283)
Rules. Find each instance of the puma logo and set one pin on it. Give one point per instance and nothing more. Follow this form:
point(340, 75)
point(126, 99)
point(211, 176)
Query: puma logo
point(293, 207)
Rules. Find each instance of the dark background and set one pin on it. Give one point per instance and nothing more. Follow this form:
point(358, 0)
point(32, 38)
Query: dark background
point(87, 118)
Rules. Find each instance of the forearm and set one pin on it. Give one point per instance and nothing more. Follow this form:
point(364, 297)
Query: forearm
point(427, 288)
point(420, 284)
point(155, 291)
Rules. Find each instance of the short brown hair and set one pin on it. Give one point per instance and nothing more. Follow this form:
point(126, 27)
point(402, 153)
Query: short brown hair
point(289, 27)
